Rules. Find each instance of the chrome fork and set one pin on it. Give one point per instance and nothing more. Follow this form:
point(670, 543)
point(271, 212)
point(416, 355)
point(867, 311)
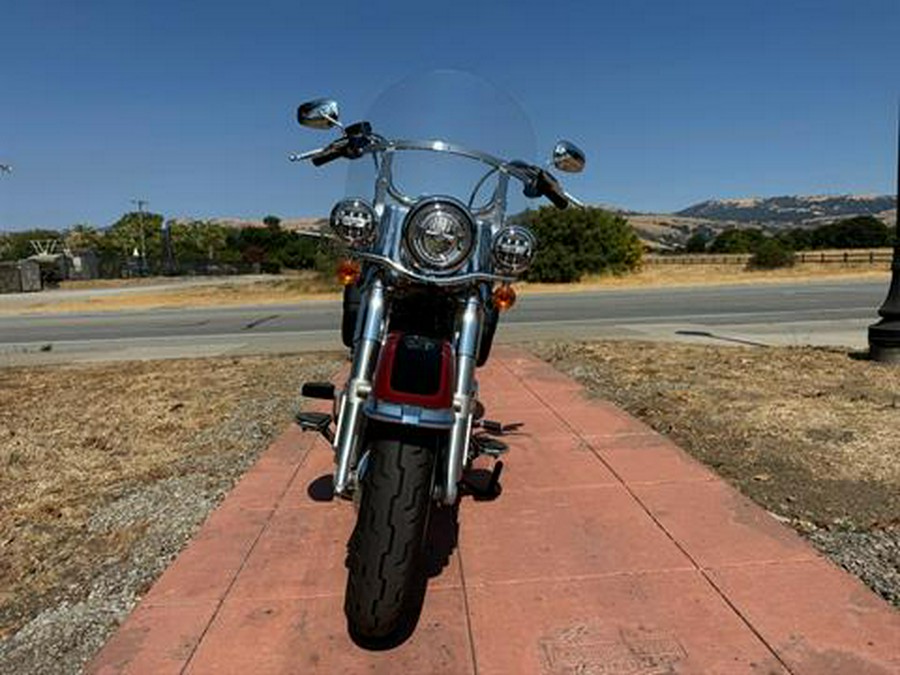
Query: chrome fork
point(359, 386)
point(463, 397)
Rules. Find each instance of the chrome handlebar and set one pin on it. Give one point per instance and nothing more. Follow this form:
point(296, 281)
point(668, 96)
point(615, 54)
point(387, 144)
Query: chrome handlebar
point(522, 171)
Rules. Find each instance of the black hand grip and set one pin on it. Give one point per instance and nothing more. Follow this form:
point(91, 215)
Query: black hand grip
point(559, 200)
point(547, 186)
point(330, 154)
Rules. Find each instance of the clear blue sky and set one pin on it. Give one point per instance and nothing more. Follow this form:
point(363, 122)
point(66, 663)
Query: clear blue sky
point(190, 104)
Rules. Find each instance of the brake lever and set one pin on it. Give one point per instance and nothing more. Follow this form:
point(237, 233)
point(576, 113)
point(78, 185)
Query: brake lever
point(309, 154)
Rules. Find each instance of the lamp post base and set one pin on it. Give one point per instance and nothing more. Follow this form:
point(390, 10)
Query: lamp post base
point(884, 341)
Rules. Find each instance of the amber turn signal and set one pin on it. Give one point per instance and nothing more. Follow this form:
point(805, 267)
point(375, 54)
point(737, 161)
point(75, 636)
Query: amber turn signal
point(348, 272)
point(504, 297)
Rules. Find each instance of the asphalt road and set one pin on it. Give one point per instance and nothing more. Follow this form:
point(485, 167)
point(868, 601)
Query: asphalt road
point(796, 313)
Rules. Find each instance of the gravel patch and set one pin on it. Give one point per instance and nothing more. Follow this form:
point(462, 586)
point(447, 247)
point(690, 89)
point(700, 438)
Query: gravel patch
point(64, 637)
point(873, 556)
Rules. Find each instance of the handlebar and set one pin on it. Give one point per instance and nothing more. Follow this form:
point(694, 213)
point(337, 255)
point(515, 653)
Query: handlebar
point(359, 140)
point(329, 154)
point(548, 186)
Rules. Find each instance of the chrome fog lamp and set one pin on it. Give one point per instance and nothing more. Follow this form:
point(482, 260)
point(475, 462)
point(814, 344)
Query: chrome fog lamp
point(513, 249)
point(353, 220)
point(439, 235)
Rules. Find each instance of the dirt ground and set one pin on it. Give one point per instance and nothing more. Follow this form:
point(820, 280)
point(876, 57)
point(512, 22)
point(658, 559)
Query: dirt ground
point(105, 472)
point(813, 435)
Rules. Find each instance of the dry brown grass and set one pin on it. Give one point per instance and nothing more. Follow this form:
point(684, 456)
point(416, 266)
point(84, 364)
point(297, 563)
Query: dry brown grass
point(73, 439)
point(662, 276)
point(224, 293)
point(135, 282)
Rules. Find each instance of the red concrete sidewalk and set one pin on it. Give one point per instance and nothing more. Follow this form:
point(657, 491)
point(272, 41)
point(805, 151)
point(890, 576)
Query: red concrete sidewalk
point(610, 552)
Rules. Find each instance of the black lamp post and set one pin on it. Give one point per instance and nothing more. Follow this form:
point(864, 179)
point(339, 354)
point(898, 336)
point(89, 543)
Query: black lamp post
point(884, 336)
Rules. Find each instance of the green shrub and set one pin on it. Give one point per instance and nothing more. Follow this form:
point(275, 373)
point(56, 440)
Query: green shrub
point(697, 243)
point(859, 232)
point(771, 254)
point(575, 242)
point(736, 241)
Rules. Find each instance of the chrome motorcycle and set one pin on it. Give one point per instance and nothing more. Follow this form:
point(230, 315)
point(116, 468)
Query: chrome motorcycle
point(429, 272)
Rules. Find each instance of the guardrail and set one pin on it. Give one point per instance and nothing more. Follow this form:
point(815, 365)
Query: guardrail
point(876, 256)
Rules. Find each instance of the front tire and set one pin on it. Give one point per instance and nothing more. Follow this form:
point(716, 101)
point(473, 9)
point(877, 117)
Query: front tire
point(385, 554)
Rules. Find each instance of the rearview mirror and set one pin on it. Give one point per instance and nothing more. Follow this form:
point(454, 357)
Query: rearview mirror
point(568, 157)
point(323, 113)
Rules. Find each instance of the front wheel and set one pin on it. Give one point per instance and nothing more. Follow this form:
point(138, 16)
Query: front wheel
point(385, 554)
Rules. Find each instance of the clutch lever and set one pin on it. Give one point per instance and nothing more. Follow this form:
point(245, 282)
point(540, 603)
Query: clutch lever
point(309, 154)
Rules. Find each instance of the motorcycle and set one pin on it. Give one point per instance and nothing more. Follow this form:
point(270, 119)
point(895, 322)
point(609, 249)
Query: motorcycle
point(428, 274)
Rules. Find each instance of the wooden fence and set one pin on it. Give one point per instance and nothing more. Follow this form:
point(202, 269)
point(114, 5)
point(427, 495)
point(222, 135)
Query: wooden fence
point(876, 256)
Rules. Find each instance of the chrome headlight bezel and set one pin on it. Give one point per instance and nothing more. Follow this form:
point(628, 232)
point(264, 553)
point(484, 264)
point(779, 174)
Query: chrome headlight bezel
point(513, 249)
point(433, 218)
point(353, 221)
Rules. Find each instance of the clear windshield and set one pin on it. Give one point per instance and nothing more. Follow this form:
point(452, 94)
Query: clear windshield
point(454, 107)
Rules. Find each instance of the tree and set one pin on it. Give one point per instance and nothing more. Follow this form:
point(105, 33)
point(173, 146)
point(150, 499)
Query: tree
point(297, 252)
point(575, 242)
point(127, 232)
point(736, 241)
point(858, 232)
point(771, 253)
point(697, 243)
point(17, 245)
point(84, 237)
point(199, 241)
point(796, 239)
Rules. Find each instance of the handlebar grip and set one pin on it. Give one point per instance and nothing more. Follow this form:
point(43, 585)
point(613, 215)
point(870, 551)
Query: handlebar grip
point(559, 200)
point(328, 155)
point(547, 186)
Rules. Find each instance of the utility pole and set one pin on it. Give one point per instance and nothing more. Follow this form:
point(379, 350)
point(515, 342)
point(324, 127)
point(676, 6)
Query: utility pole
point(5, 168)
point(884, 336)
point(141, 203)
point(169, 261)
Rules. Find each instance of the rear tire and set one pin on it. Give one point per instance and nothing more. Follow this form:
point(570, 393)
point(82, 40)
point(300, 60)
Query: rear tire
point(385, 555)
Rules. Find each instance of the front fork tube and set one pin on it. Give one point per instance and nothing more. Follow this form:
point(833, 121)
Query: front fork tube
point(463, 397)
point(346, 437)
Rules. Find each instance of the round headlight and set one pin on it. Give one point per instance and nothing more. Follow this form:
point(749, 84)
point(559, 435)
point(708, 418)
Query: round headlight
point(353, 220)
point(439, 235)
point(513, 249)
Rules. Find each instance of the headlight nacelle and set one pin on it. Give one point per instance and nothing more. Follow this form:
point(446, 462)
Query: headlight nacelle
point(513, 249)
point(353, 220)
point(439, 235)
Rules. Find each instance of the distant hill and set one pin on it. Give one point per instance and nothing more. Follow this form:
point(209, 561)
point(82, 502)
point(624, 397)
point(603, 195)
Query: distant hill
point(797, 210)
point(667, 231)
